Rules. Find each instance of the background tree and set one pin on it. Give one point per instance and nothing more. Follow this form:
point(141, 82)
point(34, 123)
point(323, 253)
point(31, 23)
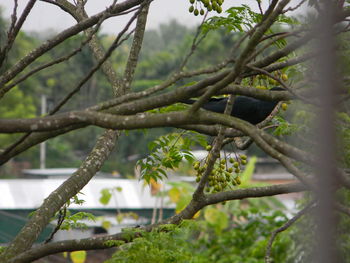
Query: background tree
point(262, 55)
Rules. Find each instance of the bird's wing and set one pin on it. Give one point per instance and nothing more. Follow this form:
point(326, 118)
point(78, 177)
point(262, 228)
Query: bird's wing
point(216, 105)
point(246, 108)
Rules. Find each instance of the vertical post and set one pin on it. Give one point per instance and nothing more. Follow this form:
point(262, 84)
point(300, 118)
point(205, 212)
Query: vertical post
point(43, 144)
point(325, 250)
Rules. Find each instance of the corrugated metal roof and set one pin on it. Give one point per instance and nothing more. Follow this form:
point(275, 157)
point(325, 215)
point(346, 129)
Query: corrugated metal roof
point(55, 172)
point(51, 171)
point(30, 193)
point(273, 176)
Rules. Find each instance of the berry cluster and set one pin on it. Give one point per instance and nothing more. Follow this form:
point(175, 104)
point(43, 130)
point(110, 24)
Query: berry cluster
point(197, 6)
point(266, 81)
point(224, 175)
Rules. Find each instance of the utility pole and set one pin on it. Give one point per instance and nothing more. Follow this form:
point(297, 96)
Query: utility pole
point(43, 144)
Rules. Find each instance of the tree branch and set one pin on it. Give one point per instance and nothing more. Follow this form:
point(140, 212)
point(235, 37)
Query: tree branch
point(41, 217)
point(285, 227)
point(46, 46)
point(187, 213)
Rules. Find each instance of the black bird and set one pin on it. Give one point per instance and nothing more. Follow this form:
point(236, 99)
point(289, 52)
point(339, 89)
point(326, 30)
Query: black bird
point(246, 108)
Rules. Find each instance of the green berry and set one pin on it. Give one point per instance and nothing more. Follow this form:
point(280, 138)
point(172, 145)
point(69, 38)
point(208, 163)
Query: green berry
point(192, 1)
point(201, 12)
point(238, 180)
point(196, 12)
point(191, 9)
point(284, 106)
point(243, 157)
point(243, 162)
point(235, 164)
point(231, 160)
point(208, 148)
point(284, 77)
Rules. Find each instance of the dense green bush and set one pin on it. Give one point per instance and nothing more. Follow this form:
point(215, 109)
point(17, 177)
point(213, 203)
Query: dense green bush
point(237, 232)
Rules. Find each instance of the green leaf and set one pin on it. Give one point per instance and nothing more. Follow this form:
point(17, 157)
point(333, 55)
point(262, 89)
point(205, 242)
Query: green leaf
point(217, 218)
point(248, 172)
point(105, 196)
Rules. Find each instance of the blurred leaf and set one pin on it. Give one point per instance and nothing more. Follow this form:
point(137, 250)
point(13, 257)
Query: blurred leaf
point(78, 256)
point(105, 196)
point(174, 195)
point(247, 174)
point(217, 218)
point(106, 224)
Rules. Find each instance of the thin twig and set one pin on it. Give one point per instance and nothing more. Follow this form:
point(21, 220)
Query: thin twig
point(284, 85)
point(294, 8)
point(195, 43)
point(114, 45)
point(343, 209)
point(59, 60)
point(285, 227)
point(61, 216)
point(15, 27)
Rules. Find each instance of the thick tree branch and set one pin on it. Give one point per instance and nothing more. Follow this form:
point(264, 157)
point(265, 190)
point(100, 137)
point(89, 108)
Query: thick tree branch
point(135, 48)
point(240, 62)
point(59, 197)
point(187, 213)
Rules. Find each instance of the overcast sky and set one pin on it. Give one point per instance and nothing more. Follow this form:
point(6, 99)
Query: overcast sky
point(45, 16)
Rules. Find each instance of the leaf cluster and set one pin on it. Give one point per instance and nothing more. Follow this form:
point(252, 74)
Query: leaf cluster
point(167, 152)
point(232, 234)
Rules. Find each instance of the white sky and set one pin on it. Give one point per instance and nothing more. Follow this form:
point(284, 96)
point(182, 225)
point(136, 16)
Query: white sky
point(45, 16)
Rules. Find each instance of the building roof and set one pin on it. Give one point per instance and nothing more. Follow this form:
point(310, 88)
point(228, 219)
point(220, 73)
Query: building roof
point(30, 193)
point(55, 172)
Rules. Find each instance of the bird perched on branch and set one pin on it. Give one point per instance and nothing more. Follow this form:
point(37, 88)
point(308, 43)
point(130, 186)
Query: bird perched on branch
point(246, 108)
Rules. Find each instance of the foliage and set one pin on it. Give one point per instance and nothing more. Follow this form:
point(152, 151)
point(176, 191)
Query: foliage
point(73, 220)
point(107, 193)
point(180, 194)
point(284, 127)
point(162, 53)
point(232, 233)
point(78, 256)
point(344, 135)
point(304, 244)
point(167, 152)
point(343, 242)
point(15, 105)
point(237, 232)
point(240, 19)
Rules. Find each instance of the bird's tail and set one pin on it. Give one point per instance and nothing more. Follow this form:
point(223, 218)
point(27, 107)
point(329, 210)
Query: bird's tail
point(188, 101)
